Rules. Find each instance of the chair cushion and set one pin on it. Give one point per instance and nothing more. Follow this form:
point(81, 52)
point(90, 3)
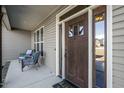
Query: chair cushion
point(32, 60)
point(36, 56)
point(28, 61)
point(28, 52)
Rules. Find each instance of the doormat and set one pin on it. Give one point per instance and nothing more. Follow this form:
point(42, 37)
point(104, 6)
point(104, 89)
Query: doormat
point(64, 84)
point(4, 70)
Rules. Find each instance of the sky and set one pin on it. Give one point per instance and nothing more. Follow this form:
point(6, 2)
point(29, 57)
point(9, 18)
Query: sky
point(99, 29)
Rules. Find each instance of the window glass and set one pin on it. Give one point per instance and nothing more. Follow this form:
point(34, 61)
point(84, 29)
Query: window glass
point(99, 17)
point(37, 46)
point(71, 32)
point(37, 36)
point(41, 34)
point(41, 49)
point(38, 40)
point(34, 37)
point(100, 50)
point(81, 29)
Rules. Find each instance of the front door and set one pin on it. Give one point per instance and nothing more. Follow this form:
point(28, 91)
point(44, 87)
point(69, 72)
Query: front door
point(76, 50)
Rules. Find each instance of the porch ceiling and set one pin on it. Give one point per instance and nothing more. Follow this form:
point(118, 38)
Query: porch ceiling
point(27, 17)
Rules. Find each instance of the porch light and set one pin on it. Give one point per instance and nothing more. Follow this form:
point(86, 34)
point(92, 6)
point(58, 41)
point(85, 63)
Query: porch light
point(99, 18)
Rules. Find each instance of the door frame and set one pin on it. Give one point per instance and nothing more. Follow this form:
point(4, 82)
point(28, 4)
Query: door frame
point(90, 48)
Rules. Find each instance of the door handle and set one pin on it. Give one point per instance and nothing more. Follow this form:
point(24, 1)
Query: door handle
point(66, 52)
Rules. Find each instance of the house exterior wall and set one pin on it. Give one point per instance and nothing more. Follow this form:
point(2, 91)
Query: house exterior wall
point(49, 38)
point(14, 43)
point(118, 46)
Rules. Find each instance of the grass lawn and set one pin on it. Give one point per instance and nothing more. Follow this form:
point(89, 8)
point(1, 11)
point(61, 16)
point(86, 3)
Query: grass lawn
point(100, 54)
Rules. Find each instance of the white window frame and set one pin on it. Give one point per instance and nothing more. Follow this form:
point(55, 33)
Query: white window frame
point(109, 41)
point(40, 41)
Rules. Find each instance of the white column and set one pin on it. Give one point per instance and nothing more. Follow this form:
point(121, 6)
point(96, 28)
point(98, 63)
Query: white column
point(90, 48)
point(109, 46)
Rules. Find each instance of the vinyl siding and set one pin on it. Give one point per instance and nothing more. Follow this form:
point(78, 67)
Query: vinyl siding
point(14, 43)
point(49, 38)
point(118, 46)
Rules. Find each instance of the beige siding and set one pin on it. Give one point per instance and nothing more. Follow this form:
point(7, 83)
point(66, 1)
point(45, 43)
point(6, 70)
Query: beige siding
point(13, 43)
point(49, 37)
point(118, 46)
point(50, 42)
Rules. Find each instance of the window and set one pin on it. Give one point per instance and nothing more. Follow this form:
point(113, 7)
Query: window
point(99, 54)
point(73, 11)
point(76, 30)
point(81, 29)
point(41, 33)
point(38, 40)
point(37, 36)
point(71, 32)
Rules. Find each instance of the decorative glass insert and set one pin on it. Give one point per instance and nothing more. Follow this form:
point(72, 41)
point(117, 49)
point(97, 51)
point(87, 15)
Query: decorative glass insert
point(71, 32)
point(81, 29)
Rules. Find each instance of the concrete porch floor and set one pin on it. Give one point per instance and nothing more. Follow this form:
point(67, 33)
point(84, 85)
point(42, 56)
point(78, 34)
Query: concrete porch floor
point(30, 78)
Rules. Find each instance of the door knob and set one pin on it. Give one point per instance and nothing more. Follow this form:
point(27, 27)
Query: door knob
point(66, 52)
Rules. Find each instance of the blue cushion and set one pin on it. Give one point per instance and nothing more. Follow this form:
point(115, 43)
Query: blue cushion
point(36, 56)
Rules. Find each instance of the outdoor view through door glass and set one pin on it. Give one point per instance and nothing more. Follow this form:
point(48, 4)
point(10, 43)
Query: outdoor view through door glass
point(99, 49)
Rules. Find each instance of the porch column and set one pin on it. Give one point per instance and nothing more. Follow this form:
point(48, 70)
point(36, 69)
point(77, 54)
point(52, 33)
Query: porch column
point(0, 47)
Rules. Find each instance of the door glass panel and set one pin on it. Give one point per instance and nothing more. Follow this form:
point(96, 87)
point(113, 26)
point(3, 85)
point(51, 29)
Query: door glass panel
point(71, 32)
point(100, 50)
point(81, 29)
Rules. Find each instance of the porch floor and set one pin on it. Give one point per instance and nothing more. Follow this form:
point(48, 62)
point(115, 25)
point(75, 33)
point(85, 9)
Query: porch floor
point(30, 78)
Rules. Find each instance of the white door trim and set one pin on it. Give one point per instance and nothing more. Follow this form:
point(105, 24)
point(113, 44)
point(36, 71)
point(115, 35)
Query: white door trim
point(109, 46)
point(90, 48)
point(109, 42)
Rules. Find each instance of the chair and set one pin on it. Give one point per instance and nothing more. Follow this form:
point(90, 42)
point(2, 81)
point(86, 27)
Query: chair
point(31, 61)
point(28, 53)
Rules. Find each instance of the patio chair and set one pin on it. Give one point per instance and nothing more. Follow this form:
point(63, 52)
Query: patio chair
point(31, 61)
point(28, 53)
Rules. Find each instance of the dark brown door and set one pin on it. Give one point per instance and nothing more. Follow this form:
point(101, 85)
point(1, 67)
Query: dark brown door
point(76, 50)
